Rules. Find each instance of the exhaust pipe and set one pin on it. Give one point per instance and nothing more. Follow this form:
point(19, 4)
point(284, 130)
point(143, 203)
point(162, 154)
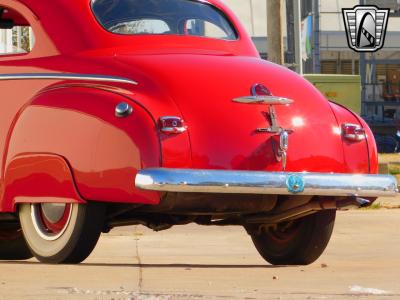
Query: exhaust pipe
point(307, 209)
point(353, 203)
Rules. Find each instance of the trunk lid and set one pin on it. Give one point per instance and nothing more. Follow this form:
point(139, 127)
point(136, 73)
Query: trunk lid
point(223, 133)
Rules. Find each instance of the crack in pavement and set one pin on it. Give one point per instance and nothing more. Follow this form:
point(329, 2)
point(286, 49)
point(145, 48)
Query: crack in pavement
point(139, 261)
point(182, 295)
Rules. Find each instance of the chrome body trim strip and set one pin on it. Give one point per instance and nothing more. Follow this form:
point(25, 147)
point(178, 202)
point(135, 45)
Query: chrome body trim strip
point(67, 76)
point(252, 182)
point(270, 100)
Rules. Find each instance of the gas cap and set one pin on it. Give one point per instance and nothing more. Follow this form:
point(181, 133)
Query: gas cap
point(123, 109)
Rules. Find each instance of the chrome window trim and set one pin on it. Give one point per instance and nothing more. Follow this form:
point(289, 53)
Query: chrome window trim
point(206, 2)
point(67, 76)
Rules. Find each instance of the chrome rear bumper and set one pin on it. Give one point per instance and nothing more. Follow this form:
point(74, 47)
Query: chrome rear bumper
point(252, 182)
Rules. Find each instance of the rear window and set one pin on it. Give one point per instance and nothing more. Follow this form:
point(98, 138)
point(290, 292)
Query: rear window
point(175, 17)
point(16, 36)
point(18, 40)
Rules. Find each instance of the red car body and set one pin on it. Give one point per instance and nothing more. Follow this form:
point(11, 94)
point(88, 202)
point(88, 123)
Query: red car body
point(61, 141)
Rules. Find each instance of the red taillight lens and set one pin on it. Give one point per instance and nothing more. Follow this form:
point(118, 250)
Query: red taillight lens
point(260, 90)
point(353, 132)
point(171, 125)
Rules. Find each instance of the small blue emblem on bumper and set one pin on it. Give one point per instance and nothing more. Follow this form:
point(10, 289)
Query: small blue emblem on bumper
point(295, 184)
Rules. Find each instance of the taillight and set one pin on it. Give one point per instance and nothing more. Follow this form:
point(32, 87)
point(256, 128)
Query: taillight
point(260, 90)
point(171, 125)
point(353, 132)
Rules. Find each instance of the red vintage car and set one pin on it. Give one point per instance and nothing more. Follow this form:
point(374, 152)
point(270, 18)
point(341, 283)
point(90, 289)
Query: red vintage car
point(162, 113)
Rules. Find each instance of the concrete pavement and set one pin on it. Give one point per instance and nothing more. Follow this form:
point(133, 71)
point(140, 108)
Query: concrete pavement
point(193, 262)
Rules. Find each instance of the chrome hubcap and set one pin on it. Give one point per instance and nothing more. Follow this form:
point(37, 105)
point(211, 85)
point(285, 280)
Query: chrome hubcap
point(50, 220)
point(53, 212)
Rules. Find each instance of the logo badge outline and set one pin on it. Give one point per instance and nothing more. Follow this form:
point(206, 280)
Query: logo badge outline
point(367, 23)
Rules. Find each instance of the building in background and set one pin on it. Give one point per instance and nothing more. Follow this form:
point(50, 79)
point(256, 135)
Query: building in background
point(17, 40)
point(380, 71)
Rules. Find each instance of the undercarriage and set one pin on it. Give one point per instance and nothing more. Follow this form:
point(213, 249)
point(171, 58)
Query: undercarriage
point(224, 210)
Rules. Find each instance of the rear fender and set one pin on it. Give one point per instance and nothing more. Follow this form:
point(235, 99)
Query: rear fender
point(372, 149)
point(356, 154)
point(103, 151)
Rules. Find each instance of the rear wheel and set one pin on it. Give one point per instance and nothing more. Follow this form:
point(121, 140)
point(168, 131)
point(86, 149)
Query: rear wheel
point(299, 242)
point(61, 232)
point(13, 245)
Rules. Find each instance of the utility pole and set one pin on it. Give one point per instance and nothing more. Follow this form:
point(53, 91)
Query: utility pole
point(275, 47)
point(290, 58)
point(297, 36)
point(316, 37)
point(363, 74)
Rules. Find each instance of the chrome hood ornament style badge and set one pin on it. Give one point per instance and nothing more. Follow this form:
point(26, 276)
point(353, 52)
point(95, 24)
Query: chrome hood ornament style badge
point(262, 95)
point(281, 153)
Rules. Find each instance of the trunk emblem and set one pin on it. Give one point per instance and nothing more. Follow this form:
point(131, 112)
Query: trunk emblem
point(262, 95)
point(281, 154)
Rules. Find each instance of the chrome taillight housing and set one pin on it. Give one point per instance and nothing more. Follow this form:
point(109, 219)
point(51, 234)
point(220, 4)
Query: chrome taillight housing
point(353, 132)
point(172, 125)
